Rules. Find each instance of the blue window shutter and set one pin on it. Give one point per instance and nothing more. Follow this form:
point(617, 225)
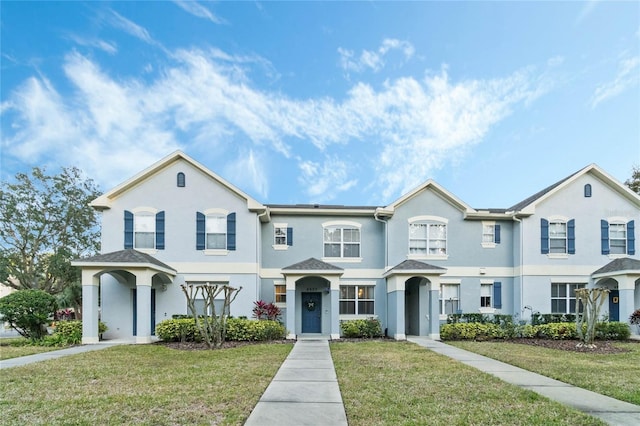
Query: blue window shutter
point(200, 230)
point(544, 236)
point(160, 231)
point(289, 236)
point(497, 295)
point(496, 234)
point(604, 236)
point(571, 236)
point(631, 238)
point(231, 231)
point(128, 230)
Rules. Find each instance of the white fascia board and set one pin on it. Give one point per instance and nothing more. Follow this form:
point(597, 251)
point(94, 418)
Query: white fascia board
point(448, 196)
point(123, 265)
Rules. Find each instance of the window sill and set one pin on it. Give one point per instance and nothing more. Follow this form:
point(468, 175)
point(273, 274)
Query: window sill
point(558, 256)
point(342, 259)
point(487, 310)
point(488, 245)
point(443, 317)
point(428, 256)
point(216, 252)
point(281, 305)
point(347, 317)
point(280, 247)
point(616, 256)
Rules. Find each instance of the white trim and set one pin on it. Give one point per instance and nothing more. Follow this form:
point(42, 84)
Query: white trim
point(280, 247)
point(428, 218)
point(215, 210)
point(206, 278)
point(558, 219)
point(486, 281)
point(414, 256)
point(205, 267)
point(215, 252)
point(558, 255)
point(341, 223)
point(341, 259)
point(144, 209)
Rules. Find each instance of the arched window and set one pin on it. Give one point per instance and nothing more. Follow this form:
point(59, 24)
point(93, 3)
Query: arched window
point(587, 190)
point(181, 180)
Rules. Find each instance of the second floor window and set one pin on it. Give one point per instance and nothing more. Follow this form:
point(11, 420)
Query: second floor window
point(144, 230)
point(618, 238)
point(428, 238)
point(341, 241)
point(216, 231)
point(557, 237)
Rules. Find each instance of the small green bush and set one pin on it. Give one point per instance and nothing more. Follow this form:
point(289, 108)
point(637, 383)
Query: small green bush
point(238, 329)
point(557, 331)
point(28, 312)
point(471, 331)
point(362, 328)
point(612, 330)
point(69, 333)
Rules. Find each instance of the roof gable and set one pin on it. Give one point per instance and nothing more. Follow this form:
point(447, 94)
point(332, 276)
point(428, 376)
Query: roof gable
point(105, 200)
point(528, 205)
point(429, 185)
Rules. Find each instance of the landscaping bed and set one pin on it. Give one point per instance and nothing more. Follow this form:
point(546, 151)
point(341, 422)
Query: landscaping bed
point(602, 346)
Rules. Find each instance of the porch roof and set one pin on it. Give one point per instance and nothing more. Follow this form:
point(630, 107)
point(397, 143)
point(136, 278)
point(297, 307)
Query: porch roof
point(128, 258)
point(313, 264)
point(411, 266)
point(623, 265)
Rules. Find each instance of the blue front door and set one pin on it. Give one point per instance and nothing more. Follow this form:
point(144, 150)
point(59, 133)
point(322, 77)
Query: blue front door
point(614, 305)
point(311, 313)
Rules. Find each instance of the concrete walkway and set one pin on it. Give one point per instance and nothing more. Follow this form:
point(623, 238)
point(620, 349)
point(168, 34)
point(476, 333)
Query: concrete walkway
point(304, 391)
point(611, 411)
point(44, 356)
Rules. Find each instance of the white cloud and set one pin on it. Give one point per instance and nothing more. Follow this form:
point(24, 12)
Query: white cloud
point(198, 10)
point(627, 77)
point(401, 131)
point(130, 27)
point(108, 47)
point(373, 59)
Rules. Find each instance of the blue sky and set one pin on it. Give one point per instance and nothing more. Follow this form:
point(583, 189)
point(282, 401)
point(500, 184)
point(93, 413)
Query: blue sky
point(330, 102)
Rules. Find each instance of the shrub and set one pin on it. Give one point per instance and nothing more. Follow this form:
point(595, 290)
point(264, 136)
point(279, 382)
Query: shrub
point(557, 331)
point(266, 311)
point(366, 328)
point(238, 329)
point(612, 331)
point(28, 312)
point(537, 318)
point(471, 331)
point(69, 333)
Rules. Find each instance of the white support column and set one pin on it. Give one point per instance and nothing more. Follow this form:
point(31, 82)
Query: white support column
point(291, 307)
point(335, 307)
point(395, 306)
point(90, 310)
point(434, 308)
point(143, 307)
point(626, 287)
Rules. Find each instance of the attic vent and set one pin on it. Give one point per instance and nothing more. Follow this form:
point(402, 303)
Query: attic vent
point(181, 180)
point(587, 190)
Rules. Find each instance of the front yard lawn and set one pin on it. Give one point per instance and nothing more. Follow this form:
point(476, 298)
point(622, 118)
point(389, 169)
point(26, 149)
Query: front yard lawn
point(615, 374)
point(13, 347)
point(141, 385)
point(400, 383)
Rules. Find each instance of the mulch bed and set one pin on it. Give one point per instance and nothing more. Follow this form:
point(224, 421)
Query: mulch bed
point(198, 346)
point(602, 346)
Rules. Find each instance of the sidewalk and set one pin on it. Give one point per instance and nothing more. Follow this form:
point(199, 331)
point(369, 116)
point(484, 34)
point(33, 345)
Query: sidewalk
point(607, 409)
point(44, 356)
point(304, 391)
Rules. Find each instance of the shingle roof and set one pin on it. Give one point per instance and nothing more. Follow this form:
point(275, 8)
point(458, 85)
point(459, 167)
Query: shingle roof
point(524, 203)
point(622, 264)
point(125, 256)
point(312, 264)
point(412, 265)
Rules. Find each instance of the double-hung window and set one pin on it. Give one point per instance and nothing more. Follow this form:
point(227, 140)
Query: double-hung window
point(557, 236)
point(563, 297)
point(490, 234)
point(427, 237)
point(618, 236)
point(449, 298)
point(341, 240)
point(486, 291)
point(280, 293)
point(282, 236)
point(144, 229)
point(357, 300)
point(215, 231)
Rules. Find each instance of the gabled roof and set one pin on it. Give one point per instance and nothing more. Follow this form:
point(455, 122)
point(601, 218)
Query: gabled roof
point(125, 258)
point(104, 201)
point(428, 185)
point(617, 266)
point(527, 206)
point(411, 266)
point(312, 264)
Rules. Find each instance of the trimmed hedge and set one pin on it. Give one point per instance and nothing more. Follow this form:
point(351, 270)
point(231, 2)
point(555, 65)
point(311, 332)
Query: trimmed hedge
point(238, 329)
point(366, 328)
point(507, 330)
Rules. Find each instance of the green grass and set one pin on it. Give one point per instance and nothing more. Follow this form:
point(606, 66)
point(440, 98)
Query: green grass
point(400, 383)
point(616, 375)
point(141, 385)
point(15, 347)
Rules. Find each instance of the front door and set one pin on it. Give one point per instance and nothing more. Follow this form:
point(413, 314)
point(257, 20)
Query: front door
point(311, 313)
point(614, 305)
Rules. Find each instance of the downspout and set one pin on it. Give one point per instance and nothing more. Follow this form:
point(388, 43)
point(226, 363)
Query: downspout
point(521, 262)
point(386, 263)
point(259, 250)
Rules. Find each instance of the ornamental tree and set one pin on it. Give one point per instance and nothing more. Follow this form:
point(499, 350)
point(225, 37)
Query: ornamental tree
point(634, 181)
point(588, 304)
point(45, 222)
